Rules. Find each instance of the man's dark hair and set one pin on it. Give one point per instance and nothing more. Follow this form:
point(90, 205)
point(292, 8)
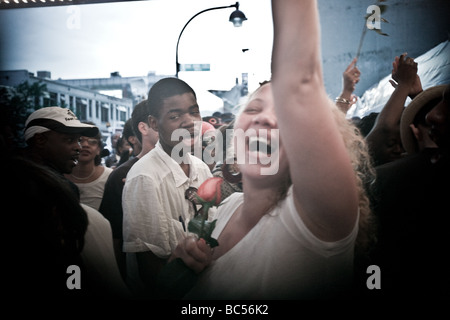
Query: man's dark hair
point(366, 123)
point(140, 114)
point(128, 130)
point(163, 89)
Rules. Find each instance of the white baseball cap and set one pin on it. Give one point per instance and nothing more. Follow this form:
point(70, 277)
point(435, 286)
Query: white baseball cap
point(58, 119)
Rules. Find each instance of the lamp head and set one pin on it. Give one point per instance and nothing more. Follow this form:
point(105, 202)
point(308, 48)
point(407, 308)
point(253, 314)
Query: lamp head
point(237, 16)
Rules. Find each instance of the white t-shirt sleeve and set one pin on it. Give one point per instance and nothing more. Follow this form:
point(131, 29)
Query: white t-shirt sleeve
point(294, 224)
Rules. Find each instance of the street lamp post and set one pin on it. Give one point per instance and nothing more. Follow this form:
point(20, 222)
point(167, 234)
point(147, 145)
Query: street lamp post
point(236, 17)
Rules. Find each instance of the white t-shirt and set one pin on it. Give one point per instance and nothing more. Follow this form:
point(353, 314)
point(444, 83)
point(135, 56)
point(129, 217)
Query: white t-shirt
point(279, 258)
point(155, 211)
point(99, 257)
point(91, 193)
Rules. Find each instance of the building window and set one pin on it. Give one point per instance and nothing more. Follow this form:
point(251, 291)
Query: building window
point(97, 109)
point(81, 105)
point(122, 113)
point(104, 116)
point(123, 116)
point(53, 99)
point(62, 101)
point(46, 101)
point(90, 108)
point(71, 103)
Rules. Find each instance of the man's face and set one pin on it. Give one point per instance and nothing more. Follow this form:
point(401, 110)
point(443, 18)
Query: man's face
point(178, 112)
point(61, 150)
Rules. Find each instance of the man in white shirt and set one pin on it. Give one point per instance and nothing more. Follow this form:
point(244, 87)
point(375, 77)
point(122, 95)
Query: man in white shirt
point(156, 211)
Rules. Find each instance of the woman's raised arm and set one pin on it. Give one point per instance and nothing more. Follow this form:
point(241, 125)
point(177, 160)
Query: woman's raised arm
point(325, 190)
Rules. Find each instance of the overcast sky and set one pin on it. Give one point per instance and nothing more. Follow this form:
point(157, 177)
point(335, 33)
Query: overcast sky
point(137, 37)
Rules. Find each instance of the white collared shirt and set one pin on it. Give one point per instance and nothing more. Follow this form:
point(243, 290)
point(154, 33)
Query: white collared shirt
point(154, 202)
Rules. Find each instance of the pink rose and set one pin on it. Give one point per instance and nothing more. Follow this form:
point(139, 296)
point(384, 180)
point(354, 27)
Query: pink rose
point(209, 195)
point(209, 191)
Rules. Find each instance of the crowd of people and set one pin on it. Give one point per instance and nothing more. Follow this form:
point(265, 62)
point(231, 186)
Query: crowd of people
point(347, 194)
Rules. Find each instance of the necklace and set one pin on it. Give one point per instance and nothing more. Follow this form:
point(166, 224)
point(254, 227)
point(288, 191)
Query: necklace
point(78, 178)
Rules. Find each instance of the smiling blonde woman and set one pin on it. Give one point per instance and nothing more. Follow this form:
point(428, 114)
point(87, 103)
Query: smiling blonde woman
point(291, 234)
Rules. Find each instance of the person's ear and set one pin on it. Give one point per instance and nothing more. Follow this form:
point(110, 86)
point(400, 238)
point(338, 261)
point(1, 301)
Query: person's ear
point(40, 139)
point(143, 128)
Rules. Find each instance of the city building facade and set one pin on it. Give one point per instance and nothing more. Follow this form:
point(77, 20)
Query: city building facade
point(109, 113)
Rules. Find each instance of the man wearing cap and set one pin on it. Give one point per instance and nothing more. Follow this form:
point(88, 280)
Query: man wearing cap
point(410, 200)
point(52, 135)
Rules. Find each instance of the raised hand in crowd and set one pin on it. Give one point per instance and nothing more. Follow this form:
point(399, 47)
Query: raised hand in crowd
point(397, 76)
point(384, 139)
point(350, 77)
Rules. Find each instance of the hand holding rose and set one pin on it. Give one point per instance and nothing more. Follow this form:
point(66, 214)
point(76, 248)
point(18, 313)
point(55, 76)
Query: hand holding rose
point(195, 253)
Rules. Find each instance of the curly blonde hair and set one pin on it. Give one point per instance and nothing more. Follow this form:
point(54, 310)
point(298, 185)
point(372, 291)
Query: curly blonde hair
point(361, 160)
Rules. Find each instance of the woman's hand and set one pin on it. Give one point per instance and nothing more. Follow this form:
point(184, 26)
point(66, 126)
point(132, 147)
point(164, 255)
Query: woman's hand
point(351, 77)
point(195, 253)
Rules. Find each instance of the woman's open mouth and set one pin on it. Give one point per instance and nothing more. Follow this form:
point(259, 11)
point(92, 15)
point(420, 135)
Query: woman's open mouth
point(260, 144)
